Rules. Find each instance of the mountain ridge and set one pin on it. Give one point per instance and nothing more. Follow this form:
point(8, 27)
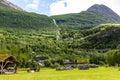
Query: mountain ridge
point(7, 3)
point(87, 19)
point(104, 10)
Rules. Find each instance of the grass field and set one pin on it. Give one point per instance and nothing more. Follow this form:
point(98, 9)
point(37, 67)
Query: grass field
point(101, 73)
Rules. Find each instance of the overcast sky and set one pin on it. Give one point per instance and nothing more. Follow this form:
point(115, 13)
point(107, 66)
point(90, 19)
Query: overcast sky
point(56, 7)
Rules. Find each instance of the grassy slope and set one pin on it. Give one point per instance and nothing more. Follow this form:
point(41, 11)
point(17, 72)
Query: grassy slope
point(14, 20)
point(101, 73)
point(82, 20)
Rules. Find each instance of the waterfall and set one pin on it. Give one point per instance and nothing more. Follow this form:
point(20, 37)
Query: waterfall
point(58, 32)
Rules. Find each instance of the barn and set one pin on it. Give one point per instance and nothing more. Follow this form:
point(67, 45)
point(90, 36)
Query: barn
point(8, 64)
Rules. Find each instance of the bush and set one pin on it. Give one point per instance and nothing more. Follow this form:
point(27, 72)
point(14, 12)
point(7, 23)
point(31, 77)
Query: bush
point(56, 65)
point(113, 57)
point(48, 63)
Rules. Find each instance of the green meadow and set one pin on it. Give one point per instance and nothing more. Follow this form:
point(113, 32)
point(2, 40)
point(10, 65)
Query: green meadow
point(101, 73)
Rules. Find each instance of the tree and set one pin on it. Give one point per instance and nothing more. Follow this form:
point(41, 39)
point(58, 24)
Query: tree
point(97, 58)
point(48, 63)
point(113, 57)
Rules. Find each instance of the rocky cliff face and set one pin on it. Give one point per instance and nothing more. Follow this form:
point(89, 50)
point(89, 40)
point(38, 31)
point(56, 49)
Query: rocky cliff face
point(104, 10)
point(7, 3)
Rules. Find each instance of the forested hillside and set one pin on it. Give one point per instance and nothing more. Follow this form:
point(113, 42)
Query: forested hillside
point(103, 36)
point(26, 35)
point(21, 21)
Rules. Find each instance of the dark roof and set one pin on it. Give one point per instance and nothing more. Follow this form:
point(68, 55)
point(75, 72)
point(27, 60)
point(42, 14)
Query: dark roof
point(38, 58)
point(75, 63)
point(9, 59)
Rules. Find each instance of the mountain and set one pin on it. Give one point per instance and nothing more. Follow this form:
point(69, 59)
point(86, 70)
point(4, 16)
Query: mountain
point(104, 10)
point(87, 19)
point(22, 32)
point(7, 3)
point(14, 19)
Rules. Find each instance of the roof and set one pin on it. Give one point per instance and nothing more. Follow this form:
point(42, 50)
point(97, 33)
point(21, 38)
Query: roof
point(75, 63)
point(8, 59)
point(3, 56)
point(38, 58)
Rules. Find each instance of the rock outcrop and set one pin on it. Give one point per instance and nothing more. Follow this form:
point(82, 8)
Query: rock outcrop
point(7, 3)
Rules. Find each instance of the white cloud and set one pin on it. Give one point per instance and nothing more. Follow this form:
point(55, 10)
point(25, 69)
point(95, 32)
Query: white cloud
point(33, 5)
point(25, 0)
point(58, 8)
point(75, 6)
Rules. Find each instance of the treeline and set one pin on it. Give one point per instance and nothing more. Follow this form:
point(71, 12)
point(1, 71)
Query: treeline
point(83, 20)
point(66, 48)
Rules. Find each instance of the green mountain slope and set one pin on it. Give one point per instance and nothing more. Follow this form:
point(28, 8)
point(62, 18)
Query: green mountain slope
point(103, 36)
point(87, 19)
point(20, 20)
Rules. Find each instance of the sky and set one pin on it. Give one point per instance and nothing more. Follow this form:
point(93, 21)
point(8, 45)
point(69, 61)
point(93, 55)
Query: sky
point(57, 7)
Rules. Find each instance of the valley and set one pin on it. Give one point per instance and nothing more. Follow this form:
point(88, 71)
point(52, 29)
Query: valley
point(76, 36)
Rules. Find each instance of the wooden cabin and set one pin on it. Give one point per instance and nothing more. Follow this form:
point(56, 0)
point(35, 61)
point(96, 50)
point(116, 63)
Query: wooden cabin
point(8, 64)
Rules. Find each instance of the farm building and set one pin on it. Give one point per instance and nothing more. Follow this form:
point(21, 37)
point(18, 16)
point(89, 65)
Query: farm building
point(80, 65)
point(40, 59)
point(72, 64)
point(8, 64)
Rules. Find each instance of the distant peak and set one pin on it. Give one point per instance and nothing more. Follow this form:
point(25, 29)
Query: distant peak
point(98, 7)
point(104, 10)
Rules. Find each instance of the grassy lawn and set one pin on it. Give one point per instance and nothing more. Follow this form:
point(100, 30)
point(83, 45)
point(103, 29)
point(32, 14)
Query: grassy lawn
point(101, 73)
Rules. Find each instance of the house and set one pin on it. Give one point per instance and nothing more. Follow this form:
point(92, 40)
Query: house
point(80, 65)
point(83, 66)
point(40, 59)
point(70, 64)
point(8, 64)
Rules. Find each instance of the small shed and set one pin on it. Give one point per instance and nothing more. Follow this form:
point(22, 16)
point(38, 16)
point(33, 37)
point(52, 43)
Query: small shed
point(8, 64)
